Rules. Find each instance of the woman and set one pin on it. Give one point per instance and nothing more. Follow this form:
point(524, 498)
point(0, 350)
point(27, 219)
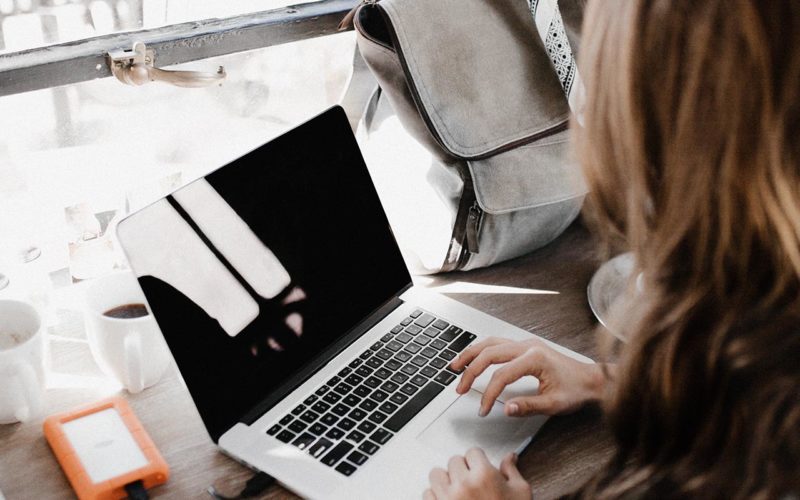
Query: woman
point(691, 147)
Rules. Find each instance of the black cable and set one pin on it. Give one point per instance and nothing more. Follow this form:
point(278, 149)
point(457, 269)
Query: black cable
point(254, 486)
point(136, 490)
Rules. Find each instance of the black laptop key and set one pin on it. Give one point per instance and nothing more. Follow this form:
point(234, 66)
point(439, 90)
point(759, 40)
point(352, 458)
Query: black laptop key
point(345, 371)
point(409, 369)
point(379, 396)
point(329, 419)
point(403, 337)
point(414, 406)
point(409, 389)
point(381, 436)
point(428, 352)
point(383, 373)
point(416, 314)
point(321, 407)
point(374, 362)
point(346, 468)
point(332, 398)
point(389, 386)
point(322, 390)
point(298, 409)
point(354, 379)
point(341, 409)
point(422, 339)
point(351, 400)
point(384, 354)
point(337, 453)
point(285, 436)
point(438, 363)
point(335, 433)
point(273, 430)
point(445, 377)
point(428, 371)
point(450, 333)
point(355, 363)
point(447, 354)
point(402, 356)
point(364, 371)
point(285, 420)
point(441, 324)
point(376, 345)
point(357, 414)
point(366, 427)
point(388, 407)
point(368, 447)
point(397, 329)
point(462, 341)
point(297, 426)
point(424, 320)
point(362, 391)
point(386, 338)
point(343, 388)
point(309, 416)
point(399, 378)
point(333, 381)
point(392, 365)
point(378, 417)
point(368, 405)
point(357, 458)
point(318, 429)
point(420, 360)
point(413, 348)
point(394, 346)
point(346, 424)
point(419, 380)
point(356, 436)
point(373, 382)
point(407, 321)
point(304, 441)
point(365, 354)
point(398, 398)
point(321, 446)
point(413, 329)
point(310, 400)
point(438, 344)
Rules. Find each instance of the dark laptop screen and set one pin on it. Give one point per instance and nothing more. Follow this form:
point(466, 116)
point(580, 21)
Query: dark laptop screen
point(330, 260)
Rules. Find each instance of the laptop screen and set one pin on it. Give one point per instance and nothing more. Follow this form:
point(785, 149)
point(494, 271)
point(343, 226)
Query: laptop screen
point(256, 269)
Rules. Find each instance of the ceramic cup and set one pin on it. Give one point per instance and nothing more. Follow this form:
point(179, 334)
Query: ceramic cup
point(21, 362)
point(130, 349)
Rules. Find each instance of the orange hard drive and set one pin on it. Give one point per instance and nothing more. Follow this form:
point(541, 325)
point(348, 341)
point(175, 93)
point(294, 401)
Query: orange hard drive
point(89, 471)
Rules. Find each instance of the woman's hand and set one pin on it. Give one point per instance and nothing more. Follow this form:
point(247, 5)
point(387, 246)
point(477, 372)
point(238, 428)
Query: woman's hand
point(564, 383)
point(473, 477)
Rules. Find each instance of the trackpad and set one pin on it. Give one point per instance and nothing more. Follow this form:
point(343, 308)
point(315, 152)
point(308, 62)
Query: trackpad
point(459, 428)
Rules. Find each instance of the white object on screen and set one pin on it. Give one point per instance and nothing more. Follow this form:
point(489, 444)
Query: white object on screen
point(104, 445)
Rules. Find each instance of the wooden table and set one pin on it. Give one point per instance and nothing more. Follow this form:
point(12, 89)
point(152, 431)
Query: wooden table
point(563, 455)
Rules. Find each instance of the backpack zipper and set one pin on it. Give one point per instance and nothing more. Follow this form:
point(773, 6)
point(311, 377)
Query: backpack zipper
point(348, 21)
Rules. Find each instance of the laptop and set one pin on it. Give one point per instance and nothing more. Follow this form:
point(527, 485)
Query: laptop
point(293, 321)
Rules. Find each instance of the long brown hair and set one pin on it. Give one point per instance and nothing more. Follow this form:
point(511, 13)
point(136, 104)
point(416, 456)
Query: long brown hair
point(691, 148)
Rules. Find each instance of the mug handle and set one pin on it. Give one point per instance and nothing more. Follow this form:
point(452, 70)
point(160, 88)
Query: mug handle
point(31, 401)
point(134, 375)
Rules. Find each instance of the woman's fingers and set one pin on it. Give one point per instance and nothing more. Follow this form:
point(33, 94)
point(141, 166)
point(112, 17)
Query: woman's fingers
point(490, 355)
point(531, 405)
point(429, 495)
point(508, 467)
point(472, 352)
point(529, 363)
point(457, 468)
point(440, 481)
point(476, 459)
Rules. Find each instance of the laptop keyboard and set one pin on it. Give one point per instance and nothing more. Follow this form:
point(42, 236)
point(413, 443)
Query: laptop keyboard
point(346, 421)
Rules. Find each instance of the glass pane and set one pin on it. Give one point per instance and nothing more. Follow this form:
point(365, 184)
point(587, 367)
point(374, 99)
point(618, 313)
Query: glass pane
point(74, 160)
point(26, 24)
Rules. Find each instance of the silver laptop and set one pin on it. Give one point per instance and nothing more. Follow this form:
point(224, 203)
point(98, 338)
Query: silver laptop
point(292, 318)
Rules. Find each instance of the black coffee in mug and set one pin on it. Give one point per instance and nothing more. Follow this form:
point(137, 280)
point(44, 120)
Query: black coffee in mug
point(127, 311)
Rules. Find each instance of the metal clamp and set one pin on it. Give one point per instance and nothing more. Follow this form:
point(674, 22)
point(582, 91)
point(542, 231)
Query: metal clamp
point(135, 67)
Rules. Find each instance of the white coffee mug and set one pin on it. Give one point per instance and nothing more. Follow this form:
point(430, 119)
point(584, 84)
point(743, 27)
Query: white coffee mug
point(21, 362)
point(130, 349)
